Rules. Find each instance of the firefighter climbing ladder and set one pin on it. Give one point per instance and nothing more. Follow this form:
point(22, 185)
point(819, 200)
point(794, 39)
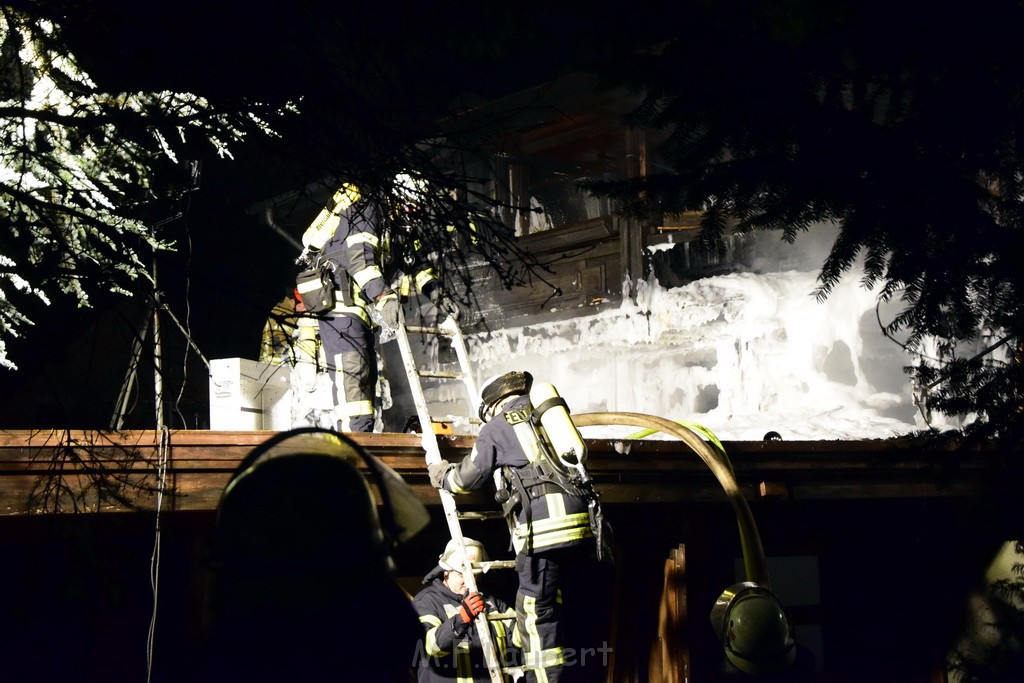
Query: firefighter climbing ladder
point(448, 328)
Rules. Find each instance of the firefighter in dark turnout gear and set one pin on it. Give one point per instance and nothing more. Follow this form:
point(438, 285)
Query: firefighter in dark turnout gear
point(298, 540)
point(344, 238)
point(451, 646)
point(410, 263)
point(550, 524)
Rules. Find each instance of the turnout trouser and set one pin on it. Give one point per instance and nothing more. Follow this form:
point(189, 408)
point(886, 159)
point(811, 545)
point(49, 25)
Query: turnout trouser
point(538, 613)
point(352, 365)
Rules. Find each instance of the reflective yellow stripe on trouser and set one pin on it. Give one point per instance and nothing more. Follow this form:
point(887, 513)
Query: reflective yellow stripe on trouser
point(351, 400)
point(535, 656)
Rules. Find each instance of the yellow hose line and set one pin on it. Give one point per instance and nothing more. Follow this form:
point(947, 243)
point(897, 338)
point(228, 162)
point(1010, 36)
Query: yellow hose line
point(708, 435)
point(754, 563)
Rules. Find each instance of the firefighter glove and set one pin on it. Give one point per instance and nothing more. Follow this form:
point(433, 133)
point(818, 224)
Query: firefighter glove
point(472, 605)
point(387, 307)
point(448, 307)
point(437, 470)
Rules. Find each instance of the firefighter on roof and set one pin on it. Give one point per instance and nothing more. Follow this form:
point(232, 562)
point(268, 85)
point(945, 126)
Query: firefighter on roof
point(346, 246)
point(410, 267)
point(343, 243)
point(550, 513)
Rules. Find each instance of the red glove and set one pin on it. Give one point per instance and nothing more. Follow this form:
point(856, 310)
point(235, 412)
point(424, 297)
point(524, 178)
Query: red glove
point(472, 605)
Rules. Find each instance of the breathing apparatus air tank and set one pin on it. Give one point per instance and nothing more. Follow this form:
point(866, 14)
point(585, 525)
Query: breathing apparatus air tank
point(558, 428)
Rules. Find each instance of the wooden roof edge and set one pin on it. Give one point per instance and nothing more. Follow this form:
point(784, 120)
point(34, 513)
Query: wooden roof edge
point(34, 464)
point(27, 438)
point(222, 450)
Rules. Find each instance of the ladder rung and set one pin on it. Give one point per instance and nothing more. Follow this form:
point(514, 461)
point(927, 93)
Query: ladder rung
point(429, 330)
point(494, 564)
point(489, 514)
point(440, 374)
point(501, 616)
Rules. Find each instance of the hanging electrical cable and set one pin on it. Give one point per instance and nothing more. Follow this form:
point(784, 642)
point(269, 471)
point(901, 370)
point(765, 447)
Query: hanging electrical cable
point(163, 450)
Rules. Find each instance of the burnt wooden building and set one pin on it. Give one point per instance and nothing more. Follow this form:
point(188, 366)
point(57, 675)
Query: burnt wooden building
point(555, 137)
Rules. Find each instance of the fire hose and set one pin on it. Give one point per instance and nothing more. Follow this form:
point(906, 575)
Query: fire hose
point(754, 563)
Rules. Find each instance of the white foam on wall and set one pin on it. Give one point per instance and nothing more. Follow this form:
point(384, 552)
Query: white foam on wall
point(741, 354)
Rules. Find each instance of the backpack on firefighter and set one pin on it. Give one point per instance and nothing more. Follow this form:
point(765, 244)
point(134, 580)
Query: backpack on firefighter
point(315, 287)
point(554, 447)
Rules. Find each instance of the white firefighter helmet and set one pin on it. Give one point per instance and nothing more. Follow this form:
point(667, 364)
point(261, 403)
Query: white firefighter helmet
point(502, 386)
point(753, 628)
point(410, 189)
point(344, 197)
point(452, 558)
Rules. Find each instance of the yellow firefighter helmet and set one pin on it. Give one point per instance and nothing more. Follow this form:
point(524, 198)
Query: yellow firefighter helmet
point(754, 629)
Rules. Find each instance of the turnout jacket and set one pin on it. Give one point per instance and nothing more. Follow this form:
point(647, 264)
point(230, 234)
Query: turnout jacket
point(277, 344)
point(346, 233)
point(410, 266)
point(451, 648)
point(548, 516)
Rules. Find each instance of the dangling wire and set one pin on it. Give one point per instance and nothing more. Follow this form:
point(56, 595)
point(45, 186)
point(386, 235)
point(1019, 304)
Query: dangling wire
point(154, 561)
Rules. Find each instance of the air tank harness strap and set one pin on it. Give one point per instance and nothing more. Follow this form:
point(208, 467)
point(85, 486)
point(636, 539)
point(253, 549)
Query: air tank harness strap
point(511, 497)
point(546, 406)
point(525, 484)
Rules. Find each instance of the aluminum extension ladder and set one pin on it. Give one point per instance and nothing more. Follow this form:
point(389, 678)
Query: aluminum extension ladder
point(449, 328)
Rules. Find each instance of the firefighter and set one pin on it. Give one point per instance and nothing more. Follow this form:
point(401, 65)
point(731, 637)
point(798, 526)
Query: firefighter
point(447, 610)
point(344, 241)
point(410, 270)
point(410, 265)
point(549, 519)
point(299, 540)
point(757, 637)
point(277, 344)
point(348, 239)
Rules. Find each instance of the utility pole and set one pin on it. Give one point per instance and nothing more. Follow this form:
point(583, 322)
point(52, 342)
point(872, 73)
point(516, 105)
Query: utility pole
point(158, 378)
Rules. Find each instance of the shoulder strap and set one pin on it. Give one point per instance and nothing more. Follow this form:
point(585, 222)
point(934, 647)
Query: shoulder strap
point(546, 406)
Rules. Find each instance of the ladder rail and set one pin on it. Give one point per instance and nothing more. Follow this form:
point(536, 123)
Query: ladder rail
point(451, 327)
point(433, 456)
